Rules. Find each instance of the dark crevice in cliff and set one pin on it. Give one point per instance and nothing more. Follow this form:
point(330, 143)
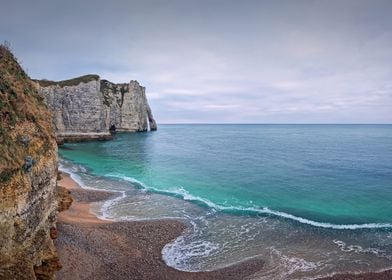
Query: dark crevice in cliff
point(122, 91)
point(105, 87)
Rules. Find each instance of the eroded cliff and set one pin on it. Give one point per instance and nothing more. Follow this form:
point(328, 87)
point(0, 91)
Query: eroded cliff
point(28, 171)
point(87, 107)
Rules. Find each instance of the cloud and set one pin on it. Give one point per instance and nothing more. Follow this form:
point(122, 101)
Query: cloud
point(219, 60)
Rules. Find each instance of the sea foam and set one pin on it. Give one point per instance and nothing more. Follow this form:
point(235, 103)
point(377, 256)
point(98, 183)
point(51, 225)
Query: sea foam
point(185, 195)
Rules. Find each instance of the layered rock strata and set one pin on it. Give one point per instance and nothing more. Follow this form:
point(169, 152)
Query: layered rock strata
point(28, 173)
point(87, 107)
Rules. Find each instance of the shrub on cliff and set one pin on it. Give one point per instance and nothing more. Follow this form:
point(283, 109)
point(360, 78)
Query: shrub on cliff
point(22, 117)
point(70, 82)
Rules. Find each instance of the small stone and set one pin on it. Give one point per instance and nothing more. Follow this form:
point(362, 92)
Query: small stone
point(53, 233)
point(25, 140)
point(17, 222)
point(29, 163)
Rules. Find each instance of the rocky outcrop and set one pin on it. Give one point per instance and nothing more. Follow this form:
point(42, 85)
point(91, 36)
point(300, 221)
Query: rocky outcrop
point(64, 198)
point(28, 173)
point(127, 106)
point(87, 107)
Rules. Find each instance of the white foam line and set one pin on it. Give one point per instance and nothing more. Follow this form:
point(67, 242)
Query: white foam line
point(350, 272)
point(187, 196)
point(73, 175)
point(79, 180)
point(326, 225)
point(107, 203)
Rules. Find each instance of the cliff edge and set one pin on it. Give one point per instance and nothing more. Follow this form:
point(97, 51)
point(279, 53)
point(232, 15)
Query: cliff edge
point(28, 171)
point(87, 107)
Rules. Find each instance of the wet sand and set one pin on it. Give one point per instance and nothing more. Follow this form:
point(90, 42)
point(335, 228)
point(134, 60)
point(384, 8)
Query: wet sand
point(385, 275)
point(91, 248)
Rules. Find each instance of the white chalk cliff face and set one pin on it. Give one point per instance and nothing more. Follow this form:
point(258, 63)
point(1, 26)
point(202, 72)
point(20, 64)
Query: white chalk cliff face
point(87, 107)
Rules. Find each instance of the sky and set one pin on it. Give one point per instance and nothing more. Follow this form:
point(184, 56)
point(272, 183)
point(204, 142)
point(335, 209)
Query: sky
point(219, 61)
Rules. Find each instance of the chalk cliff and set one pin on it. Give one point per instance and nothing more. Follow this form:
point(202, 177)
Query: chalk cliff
point(28, 171)
point(87, 107)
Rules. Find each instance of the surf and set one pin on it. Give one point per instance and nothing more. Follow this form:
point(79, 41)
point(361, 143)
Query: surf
point(185, 195)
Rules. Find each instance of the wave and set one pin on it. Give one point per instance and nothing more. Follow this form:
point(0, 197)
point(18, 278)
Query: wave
point(180, 251)
point(72, 171)
point(107, 204)
point(185, 195)
point(359, 249)
point(294, 264)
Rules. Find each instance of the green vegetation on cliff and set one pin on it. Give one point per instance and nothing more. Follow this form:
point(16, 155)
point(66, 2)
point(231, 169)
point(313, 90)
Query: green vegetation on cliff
point(28, 171)
point(70, 82)
point(25, 122)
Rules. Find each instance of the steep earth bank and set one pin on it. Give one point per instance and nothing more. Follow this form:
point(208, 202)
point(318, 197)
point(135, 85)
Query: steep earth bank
point(28, 173)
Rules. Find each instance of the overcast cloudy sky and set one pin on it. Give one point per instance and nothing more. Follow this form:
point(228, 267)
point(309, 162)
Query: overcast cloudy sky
point(248, 61)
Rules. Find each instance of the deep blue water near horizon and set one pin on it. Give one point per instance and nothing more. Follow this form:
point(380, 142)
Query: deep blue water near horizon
point(325, 190)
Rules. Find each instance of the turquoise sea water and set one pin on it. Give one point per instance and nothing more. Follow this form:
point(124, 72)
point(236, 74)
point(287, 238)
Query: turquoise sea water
point(330, 183)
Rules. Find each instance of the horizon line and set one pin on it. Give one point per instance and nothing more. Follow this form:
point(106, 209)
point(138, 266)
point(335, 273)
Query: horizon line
point(205, 123)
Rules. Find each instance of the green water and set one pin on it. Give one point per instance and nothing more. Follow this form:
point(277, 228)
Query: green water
point(325, 175)
point(310, 200)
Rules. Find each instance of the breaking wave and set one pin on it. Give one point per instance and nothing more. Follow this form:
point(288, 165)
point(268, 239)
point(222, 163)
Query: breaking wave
point(185, 195)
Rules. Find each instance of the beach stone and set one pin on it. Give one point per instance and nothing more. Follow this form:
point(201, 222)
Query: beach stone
point(53, 232)
point(29, 163)
point(25, 140)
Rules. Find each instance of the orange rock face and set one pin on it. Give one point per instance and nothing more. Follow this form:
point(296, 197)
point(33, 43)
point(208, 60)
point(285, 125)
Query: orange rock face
point(28, 172)
point(64, 198)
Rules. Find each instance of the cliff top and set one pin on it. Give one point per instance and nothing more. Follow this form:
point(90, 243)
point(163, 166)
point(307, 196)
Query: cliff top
point(70, 82)
point(25, 127)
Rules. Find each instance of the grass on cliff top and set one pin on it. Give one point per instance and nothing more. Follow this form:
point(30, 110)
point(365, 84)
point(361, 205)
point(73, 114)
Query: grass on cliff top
point(70, 82)
point(20, 106)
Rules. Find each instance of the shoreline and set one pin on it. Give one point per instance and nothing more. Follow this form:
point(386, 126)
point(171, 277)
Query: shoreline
point(133, 248)
point(92, 248)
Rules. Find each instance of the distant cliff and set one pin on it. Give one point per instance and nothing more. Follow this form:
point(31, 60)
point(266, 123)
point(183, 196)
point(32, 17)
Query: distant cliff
point(28, 171)
point(87, 107)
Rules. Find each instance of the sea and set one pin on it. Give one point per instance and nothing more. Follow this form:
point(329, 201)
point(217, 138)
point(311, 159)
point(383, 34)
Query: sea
point(310, 200)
